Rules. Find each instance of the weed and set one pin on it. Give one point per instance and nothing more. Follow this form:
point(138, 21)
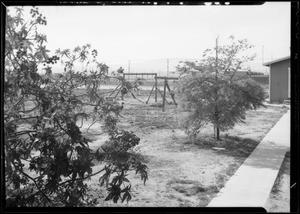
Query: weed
point(187, 187)
point(181, 181)
point(171, 196)
point(185, 204)
point(207, 195)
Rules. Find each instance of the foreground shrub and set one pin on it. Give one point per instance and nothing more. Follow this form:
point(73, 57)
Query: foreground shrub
point(47, 157)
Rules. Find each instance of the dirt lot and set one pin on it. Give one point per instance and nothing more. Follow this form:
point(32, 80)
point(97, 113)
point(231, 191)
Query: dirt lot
point(183, 172)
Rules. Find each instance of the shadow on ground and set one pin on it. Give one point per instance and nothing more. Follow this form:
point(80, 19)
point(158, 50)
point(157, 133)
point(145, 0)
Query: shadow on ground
point(228, 145)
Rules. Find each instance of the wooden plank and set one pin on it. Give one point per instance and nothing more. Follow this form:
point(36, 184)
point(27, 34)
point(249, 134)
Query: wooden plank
point(150, 94)
point(171, 93)
point(164, 97)
point(155, 87)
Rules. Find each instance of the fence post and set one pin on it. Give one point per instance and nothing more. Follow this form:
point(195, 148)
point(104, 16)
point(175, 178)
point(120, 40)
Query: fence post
point(155, 87)
point(164, 98)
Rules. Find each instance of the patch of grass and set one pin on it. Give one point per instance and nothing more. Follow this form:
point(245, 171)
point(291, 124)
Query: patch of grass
point(190, 187)
point(189, 191)
point(204, 142)
point(171, 196)
point(185, 204)
point(233, 145)
point(225, 175)
point(181, 181)
point(150, 117)
point(237, 146)
point(207, 196)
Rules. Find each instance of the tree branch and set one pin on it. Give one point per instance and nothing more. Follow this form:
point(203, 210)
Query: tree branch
point(70, 180)
point(40, 190)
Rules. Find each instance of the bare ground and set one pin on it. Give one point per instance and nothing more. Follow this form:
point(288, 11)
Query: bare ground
point(279, 198)
point(183, 172)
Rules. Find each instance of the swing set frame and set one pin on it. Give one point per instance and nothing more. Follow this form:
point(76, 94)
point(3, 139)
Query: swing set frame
point(121, 85)
point(163, 94)
point(154, 87)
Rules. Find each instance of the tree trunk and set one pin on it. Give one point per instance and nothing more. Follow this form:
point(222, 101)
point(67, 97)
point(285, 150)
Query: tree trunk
point(218, 133)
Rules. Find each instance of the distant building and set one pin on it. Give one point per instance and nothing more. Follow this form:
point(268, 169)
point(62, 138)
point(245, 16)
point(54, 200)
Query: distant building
point(280, 85)
point(239, 73)
point(257, 76)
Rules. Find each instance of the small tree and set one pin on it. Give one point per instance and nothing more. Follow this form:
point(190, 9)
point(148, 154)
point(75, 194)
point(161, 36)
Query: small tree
point(212, 91)
point(47, 157)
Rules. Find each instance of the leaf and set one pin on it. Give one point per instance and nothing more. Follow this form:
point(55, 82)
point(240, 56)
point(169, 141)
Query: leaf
point(19, 20)
point(65, 52)
point(74, 175)
point(40, 38)
point(126, 196)
point(126, 180)
point(115, 180)
point(115, 199)
point(89, 171)
point(141, 168)
point(109, 197)
point(127, 188)
point(27, 44)
point(19, 10)
point(48, 70)
point(114, 194)
point(77, 49)
point(58, 51)
point(41, 53)
point(144, 176)
point(104, 178)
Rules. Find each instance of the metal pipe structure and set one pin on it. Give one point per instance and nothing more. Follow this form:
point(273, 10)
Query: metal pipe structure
point(126, 74)
point(145, 74)
point(168, 78)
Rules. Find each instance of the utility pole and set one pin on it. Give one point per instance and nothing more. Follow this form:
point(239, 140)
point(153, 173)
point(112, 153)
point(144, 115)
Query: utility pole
point(167, 67)
point(216, 128)
point(271, 56)
point(128, 66)
point(217, 55)
point(262, 55)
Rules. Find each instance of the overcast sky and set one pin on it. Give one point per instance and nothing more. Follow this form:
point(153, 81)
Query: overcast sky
point(122, 33)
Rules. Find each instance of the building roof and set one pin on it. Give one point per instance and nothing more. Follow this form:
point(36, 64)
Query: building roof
point(246, 73)
point(277, 60)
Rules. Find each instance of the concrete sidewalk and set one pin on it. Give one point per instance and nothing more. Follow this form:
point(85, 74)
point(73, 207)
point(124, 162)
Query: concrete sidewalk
point(251, 185)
